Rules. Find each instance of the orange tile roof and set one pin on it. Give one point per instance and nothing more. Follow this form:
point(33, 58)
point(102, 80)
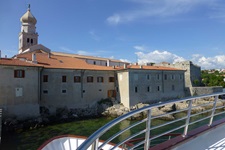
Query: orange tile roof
point(87, 57)
point(62, 62)
point(151, 67)
point(68, 62)
point(16, 62)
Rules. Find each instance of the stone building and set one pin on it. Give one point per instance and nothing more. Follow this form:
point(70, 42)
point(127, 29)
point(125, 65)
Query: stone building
point(37, 77)
point(149, 84)
point(19, 88)
point(192, 72)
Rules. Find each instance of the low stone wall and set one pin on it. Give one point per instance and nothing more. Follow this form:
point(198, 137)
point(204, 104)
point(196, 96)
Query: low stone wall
point(194, 91)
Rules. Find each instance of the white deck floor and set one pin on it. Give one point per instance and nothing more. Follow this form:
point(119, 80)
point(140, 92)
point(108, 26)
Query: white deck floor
point(213, 139)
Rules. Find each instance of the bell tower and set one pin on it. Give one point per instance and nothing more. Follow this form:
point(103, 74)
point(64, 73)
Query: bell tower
point(28, 35)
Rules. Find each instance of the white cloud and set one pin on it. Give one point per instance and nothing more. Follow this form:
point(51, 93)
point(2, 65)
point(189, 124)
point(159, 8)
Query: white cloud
point(157, 57)
point(125, 60)
point(114, 20)
point(140, 48)
point(94, 35)
point(215, 62)
point(157, 8)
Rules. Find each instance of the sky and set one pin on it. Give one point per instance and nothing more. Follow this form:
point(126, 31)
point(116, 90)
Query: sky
point(129, 30)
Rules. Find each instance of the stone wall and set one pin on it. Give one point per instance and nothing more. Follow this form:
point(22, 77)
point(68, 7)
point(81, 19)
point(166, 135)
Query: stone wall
point(205, 90)
point(57, 94)
point(149, 86)
point(19, 96)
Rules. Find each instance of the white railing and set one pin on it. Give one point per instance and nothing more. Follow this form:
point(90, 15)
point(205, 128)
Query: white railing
point(211, 109)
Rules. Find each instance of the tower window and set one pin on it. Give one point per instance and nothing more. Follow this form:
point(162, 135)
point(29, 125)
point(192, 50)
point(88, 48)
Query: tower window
point(31, 40)
point(28, 40)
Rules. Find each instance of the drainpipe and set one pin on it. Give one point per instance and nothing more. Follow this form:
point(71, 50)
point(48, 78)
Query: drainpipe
point(39, 84)
point(82, 83)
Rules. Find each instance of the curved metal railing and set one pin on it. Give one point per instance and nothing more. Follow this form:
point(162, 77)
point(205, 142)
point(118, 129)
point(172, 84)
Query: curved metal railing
point(210, 108)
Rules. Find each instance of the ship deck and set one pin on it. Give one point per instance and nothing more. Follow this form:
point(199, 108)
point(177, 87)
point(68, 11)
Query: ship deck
point(202, 138)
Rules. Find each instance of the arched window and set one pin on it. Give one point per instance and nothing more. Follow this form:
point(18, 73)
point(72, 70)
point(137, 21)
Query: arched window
point(31, 40)
point(28, 40)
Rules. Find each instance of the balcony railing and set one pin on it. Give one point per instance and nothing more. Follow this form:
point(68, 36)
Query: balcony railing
point(206, 112)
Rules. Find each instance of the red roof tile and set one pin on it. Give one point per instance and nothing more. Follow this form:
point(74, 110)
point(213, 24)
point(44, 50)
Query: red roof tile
point(68, 62)
point(16, 62)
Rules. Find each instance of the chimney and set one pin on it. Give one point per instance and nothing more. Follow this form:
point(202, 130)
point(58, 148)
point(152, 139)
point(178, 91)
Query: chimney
point(0, 54)
point(125, 66)
point(34, 60)
point(5, 56)
point(136, 63)
point(49, 55)
point(108, 63)
point(114, 67)
point(140, 66)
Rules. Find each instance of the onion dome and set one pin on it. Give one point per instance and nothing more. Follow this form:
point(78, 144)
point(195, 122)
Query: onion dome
point(28, 17)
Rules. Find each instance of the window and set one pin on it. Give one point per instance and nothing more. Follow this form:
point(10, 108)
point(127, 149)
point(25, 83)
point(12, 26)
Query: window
point(136, 89)
point(45, 91)
point(181, 76)
point(19, 73)
point(31, 40)
point(172, 76)
point(165, 76)
point(149, 89)
point(135, 77)
point(94, 62)
point(111, 79)
point(45, 78)
point(173, 88)
point(158, 88)
point(90, 79)
point(148, 77)
point(77, 79)
point(158, 76)
point(100, 79)
point(28, 40)
point(63, 78)
point(63, 91)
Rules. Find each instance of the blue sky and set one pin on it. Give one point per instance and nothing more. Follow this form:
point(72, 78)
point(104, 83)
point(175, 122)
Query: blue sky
point(131, 30)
